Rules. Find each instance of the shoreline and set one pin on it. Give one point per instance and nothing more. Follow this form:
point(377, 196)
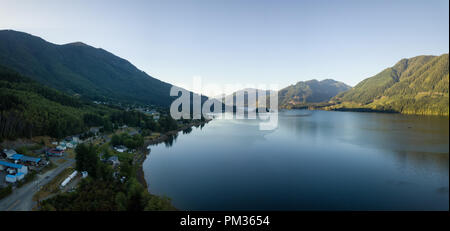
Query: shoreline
point(365, 110)
point(142, 152)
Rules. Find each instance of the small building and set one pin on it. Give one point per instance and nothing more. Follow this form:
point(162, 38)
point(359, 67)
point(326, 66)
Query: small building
point(11, 171)
point(30, 159)
point(20, 176)
point(84, 174)
point(55, 152)
point(10, 178)
point(120, 148)
point(114, 160)
point(69, 145)
point(153, 112)
point(63, 145)
point(61, 148)
point(133, 132)
point(23, 158)
point(76, 139)
point(17, 167)
point(95, 130)
point(9, 152)
point(15, 157)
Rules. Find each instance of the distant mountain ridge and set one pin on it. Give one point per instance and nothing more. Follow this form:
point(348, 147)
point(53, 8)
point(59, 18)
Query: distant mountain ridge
point(80, 69)
point(250, 96)
point(311, 91)
point(418, 85)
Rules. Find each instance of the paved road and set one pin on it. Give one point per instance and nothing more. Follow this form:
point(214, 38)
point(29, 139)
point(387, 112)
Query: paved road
point(21, 198)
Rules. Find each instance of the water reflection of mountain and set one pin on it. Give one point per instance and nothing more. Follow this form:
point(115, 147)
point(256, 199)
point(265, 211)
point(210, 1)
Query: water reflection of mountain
point(170, 140)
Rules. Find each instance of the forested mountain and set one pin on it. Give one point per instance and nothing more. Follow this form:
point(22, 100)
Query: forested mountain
point(79, 69)
point(27, 109)
point(312, 91)
point(418, 85)
point(250, 96)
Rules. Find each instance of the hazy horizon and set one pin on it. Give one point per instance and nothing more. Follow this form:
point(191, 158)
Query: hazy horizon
point(249, 42)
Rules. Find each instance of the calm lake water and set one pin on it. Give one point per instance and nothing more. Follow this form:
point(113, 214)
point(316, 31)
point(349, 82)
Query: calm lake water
point(314, 160)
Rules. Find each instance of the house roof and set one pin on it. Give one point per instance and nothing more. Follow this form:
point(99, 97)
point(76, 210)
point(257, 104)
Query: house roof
point(11, 165)
point(30, 159)
point(54, 150)
point(9, 152)
point(16, 157)
point(25, 158)
point(113, 158)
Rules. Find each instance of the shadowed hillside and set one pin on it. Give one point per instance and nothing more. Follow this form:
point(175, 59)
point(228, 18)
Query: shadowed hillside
point(79, 69)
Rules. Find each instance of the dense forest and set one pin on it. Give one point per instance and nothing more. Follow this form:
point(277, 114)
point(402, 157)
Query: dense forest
point(127, 140)
point(418, 85)
point(28, 109)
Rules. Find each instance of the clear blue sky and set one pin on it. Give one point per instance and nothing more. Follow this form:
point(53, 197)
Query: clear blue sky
point(246, 41)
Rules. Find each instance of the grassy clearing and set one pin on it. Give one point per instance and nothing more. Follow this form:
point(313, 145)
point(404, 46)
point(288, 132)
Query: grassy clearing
point(28, 178)
point(49, 167)
point(53, 186)
point(154, 135)
point(60, 161)
point(70, 153)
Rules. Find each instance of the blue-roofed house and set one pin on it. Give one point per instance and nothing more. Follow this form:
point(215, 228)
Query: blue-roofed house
point(16, 157)
point(18, 167)
point(20, 176)
point(31, 159)
point(25, 158)
point(10, 178)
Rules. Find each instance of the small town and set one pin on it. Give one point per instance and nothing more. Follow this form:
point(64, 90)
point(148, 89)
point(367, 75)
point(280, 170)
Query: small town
point(38, 169)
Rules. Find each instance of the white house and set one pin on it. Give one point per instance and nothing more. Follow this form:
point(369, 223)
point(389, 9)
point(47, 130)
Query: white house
point(61, 148)
point(10, 178)
point(76, 139)
point(120, 148)
point(69, 145)
point(84, 174)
